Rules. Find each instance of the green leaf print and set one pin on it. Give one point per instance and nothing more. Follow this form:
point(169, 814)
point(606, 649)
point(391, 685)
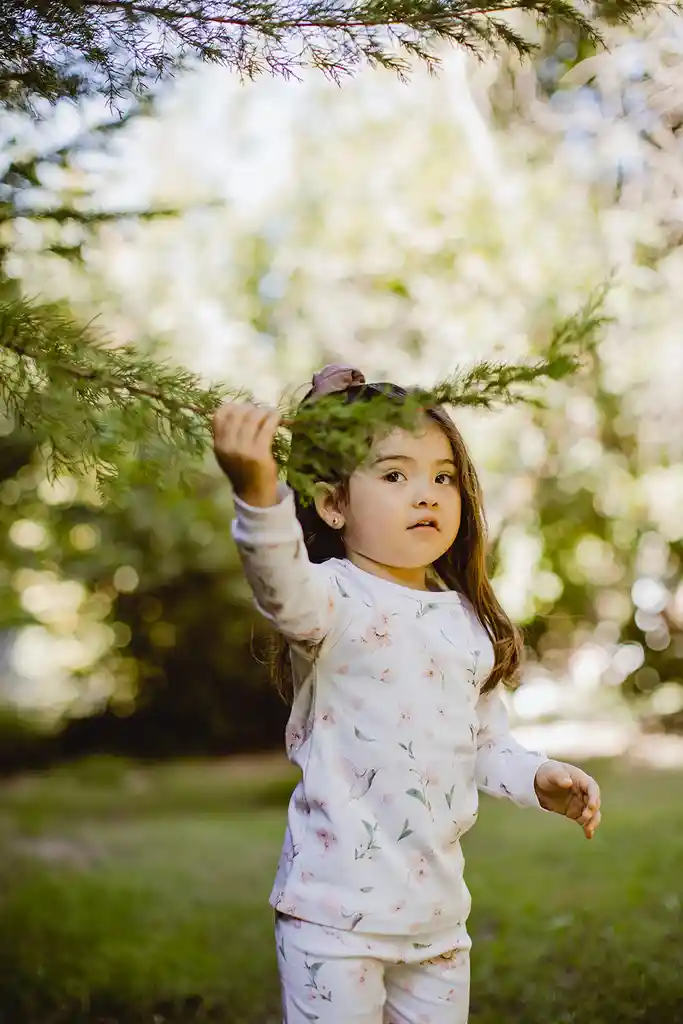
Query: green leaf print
point(405, 831)
point(310, 1016)
point(360, 736)
point(425, 608)
point(449, 796)
point(418, 795)
point(313, 984)
point(367, 888)
point(408, 747)
point(422, 945)
point(363, 851)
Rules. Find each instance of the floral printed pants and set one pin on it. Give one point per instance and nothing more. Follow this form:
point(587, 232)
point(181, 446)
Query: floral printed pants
point(343, 977)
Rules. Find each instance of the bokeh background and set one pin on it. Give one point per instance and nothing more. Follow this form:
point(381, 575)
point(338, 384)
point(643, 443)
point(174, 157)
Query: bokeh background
point(406, 229)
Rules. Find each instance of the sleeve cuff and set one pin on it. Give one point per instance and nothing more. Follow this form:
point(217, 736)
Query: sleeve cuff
point(531, 797)
point(270, 521)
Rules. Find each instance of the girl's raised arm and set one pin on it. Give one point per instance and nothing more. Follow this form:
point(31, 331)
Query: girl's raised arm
point(291, 592)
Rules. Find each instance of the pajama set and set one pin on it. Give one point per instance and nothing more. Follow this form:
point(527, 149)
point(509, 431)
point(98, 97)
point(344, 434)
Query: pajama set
point(394, 739)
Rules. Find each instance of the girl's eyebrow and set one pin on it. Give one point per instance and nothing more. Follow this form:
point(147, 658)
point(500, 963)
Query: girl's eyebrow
point(407, 458)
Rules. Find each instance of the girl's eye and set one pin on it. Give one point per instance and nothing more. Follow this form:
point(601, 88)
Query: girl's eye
point(449, 477)
point(392, 476)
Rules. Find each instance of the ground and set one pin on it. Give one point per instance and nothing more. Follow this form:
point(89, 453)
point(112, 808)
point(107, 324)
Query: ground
point(131, 895)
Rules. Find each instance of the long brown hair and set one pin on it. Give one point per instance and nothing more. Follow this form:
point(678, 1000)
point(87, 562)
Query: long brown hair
point(462, 568)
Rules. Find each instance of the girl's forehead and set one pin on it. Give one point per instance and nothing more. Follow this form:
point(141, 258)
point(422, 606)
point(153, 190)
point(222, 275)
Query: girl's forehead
point(428, 442)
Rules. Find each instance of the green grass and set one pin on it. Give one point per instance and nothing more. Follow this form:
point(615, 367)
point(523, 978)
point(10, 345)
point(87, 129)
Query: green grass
point(133, 895)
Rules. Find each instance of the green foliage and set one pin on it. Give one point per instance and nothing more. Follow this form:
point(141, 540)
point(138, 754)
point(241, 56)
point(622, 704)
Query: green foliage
point(142, 896)
point(96, 408)
point(92, 406)
point(177, 669)
point(71, 49)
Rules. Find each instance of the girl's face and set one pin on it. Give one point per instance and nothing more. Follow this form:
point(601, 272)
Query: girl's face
point(408, 479)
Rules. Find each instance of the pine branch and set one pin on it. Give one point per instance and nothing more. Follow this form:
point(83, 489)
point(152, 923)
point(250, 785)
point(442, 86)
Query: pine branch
point(125, 46)
point(96, 408)
point(346, 428)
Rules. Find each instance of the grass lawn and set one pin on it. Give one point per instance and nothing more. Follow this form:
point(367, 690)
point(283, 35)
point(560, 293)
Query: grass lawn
point(139, 896)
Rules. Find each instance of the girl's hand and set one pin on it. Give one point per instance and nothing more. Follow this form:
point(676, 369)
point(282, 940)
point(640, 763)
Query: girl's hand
point(567, 790)
point(242, 443)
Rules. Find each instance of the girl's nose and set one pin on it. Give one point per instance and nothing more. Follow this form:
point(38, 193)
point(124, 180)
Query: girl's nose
point(427, 498)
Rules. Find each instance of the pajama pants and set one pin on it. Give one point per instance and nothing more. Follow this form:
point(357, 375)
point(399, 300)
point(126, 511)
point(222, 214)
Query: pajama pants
point(342, 977)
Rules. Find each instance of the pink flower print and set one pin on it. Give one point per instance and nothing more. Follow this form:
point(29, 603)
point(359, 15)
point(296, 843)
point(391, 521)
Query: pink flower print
point(405, 716)
point(419, 868)
point(377, 635)
point(293, 737)
point(307, 876)
point(387, 799)
point(326, 717)
point(434, 672)
point(327, 838)
point(420, 872)
point(343, 670)
point(330, 603)
point(362, 977)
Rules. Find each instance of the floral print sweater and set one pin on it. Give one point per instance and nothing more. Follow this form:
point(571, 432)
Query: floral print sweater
point(390, 730)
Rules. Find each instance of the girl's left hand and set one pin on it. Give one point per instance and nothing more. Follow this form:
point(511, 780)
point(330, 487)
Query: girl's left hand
point(567, 790)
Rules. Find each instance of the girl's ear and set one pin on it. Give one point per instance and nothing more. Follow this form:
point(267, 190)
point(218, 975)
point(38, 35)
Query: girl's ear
point(328, 506)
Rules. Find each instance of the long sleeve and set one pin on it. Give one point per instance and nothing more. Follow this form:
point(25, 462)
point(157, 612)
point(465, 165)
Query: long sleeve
point(290, 591)
point(503, 767)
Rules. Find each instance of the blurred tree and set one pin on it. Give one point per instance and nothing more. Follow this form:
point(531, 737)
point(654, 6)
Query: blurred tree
point(136, 605)
point(73, 564)
point(448, 237)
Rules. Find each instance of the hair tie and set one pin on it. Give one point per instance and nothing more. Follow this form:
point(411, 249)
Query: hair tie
point(334, 377)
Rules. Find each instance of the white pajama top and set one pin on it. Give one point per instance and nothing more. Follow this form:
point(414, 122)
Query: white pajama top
point(390, 730)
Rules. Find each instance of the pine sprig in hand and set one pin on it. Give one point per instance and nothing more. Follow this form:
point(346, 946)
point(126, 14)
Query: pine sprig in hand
point(94, 408)
point(329, 438)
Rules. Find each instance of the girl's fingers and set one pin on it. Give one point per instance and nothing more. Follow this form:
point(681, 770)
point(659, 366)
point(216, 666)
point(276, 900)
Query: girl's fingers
point(224, 426)
point(593, 793)
point(590, 826)
point(267, 427)
point(249, 419)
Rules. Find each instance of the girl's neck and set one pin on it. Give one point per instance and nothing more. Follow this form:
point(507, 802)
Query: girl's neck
point(415, 578)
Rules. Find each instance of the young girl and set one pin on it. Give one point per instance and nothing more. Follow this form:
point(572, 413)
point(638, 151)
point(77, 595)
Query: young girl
point(396, 648)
